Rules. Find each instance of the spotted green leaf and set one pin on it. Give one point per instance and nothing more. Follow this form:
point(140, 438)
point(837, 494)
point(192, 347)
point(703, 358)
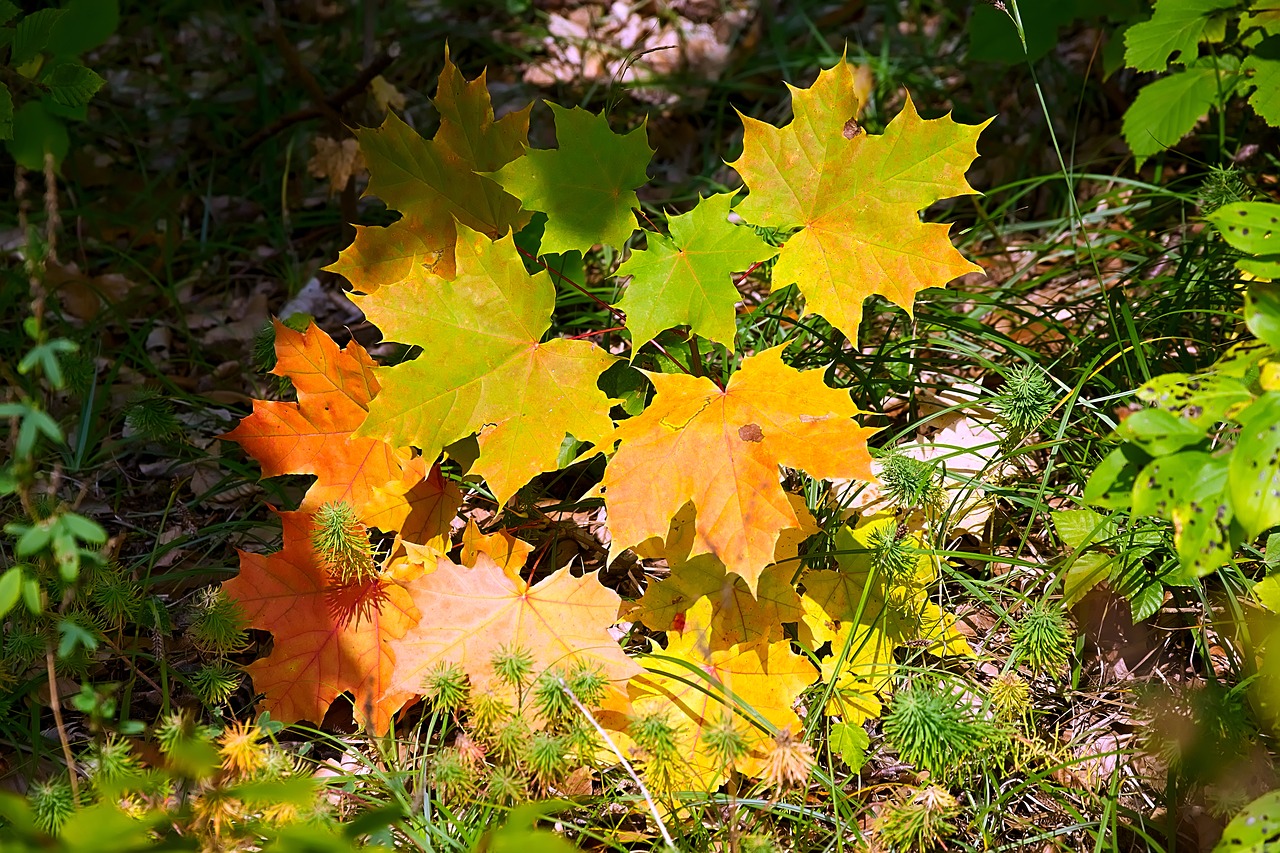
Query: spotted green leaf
point(1256, 829)
point(1201, 399)
point(1159, 432)
point(1202, 523)
point(1254, 477)
point(1165, 483)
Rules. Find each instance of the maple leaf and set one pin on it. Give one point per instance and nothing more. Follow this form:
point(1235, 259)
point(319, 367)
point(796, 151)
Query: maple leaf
point(687, 278)
point(855, 198)
point(737, 615)
point(435, 182)
point(508, 552)
point(766, 679)
point(425, 510)
point(867, 617)
point(327, 639)
point(470, 613)
point(721, 450)
point(586, 186)
point(483, 368)
point(314, 435)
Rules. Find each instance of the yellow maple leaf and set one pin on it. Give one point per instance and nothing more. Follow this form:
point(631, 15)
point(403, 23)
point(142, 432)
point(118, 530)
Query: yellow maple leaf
point(696, 686)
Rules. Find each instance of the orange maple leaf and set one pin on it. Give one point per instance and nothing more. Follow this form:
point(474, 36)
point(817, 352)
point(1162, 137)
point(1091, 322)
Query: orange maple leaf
point(471, 613)
point(508, 552)
point(423, 513)
point(314, 435)
point(434, 182)
point(855, 198)
point(721, 450)
point(328, 639)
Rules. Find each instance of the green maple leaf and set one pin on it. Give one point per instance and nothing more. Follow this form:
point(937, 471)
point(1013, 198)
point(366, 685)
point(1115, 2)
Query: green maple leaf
point(484, 369)
point(687, 278)
point(855, 198)
point(586, 186)
point(434, 183)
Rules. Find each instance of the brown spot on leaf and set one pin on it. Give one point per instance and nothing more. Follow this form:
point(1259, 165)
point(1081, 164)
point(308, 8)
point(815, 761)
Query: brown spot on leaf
point(751, 432)
point(851, 128)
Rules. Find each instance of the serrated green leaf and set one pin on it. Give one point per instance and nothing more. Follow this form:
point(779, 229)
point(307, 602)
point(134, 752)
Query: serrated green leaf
point(1079, 528)
point(687, 279)
point(1267, 592)
point(850, 743)
point(1172, 34)
point(586, 186)
point(1263, 69)
point(73, 85)
point(7, 11)
point(31, 35)
point(1165, 111)
point(1254, 474)
point(1164, 483)
point(1110, 486)
point(1083, 574)
point(86, 24)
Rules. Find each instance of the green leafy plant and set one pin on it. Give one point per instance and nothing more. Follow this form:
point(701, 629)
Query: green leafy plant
point(43, 83)
point(1213, 51)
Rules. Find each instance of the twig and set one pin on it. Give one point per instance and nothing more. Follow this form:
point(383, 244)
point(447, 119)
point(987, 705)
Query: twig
point(335, 101)
point(56, 706)
point(644, 792)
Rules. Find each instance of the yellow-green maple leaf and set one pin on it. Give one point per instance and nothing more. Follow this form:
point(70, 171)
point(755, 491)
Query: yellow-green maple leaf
point(435, 182)
point(855, 198)
point(483, 368)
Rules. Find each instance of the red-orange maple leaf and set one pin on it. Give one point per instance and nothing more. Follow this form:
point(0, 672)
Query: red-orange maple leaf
point(328, 640)
point(314, 435)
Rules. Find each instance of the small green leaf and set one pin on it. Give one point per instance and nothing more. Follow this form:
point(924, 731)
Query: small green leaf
point(1254, 474)
point(7, 11)
point(1159, 432)
point(35, 132)
point(1146, 601)
point(73, 85)
point(82, 528)
point(1267, 592)
point(687, 279)
point(10, 589)
point(850, 743)
point(32, 596)
point(32, 35)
